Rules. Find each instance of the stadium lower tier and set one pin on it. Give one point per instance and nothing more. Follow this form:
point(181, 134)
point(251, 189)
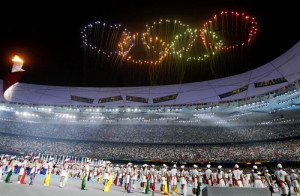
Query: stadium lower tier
point(276, 150)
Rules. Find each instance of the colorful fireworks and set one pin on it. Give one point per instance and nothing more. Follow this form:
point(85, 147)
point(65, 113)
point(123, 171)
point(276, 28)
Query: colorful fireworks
point(104, 43)
point(167, 49)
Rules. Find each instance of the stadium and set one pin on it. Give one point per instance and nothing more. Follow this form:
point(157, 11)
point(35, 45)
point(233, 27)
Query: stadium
point(255, 114)
point(246, 120)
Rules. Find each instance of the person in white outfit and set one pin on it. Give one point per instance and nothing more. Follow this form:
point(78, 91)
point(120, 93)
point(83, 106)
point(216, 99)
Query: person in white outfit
point(152, 175)
point(256, 178)
point(208, 176)
point(34, 170)
point(294, 180)
point(64, 173)
point(282, 180)
point(200, 179)
point(230, 180)
point(173, 178)
point(107, 172)
point(141, 172)
point(121, 171)
point(237, 176)
point(183, 180)
point(164, 177)
point(195, 176)
point(5, 164)
point(22, 164)
point(145, 177)
point(220, 177)
point(128, 175)
point(269, 180)
point(134, 176)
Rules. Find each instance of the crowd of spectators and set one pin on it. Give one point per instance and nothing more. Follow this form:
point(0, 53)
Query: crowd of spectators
point(141, 133)
point(280, 150)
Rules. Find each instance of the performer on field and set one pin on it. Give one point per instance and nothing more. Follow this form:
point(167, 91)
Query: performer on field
point(34, 169)
point(128, 176)
point(282, 180)
point(220, 177)
point(208, 176)
point(86, 171)
point(116, 174)
point(164, 177)
point(10, 169)
point(152, 176)
point(135, 176)
point(145, 177)
point(294, 180)
point(183, 180)
point(120, 177)
point(200, 173)
point(195, 176)
point(142, 177)
point(64, 173)
point(237, 176)
point(5, 162)
point(49, 171)
point(230, 178)
point(107, 173)
point(269, 181)
point(256, 178)
point(23, 170)
point(174, 178)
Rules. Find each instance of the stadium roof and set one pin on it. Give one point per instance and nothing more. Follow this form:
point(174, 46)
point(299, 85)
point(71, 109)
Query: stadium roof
point(273, 75)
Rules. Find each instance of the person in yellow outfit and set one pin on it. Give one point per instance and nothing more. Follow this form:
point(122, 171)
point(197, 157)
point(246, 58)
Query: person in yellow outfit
point(48, 175)
point(100, 175)
point(166, 191)
point(164, 177)
point(107, 172)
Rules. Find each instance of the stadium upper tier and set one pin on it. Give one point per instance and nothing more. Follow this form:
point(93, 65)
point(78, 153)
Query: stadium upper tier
point(276, 74)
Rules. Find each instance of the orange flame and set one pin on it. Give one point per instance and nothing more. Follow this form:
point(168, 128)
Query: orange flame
point(17, 59)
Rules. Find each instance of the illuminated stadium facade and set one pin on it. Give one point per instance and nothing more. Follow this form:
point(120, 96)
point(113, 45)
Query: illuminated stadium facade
point(274, 75)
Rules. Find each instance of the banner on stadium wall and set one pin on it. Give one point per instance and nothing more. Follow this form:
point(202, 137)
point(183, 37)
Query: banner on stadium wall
point(270, 82)
point(110, 99)
point(137, 99)
point(234, 92)
point(165, 98)
point(82, 99)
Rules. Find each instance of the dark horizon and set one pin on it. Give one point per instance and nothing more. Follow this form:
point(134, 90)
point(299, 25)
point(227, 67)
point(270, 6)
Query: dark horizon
point(48, 37)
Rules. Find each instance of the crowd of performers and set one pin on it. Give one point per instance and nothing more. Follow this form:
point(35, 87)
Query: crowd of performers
point(173, 179)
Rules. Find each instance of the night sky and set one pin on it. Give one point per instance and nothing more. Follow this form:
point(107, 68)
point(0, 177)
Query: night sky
point(47, 36)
